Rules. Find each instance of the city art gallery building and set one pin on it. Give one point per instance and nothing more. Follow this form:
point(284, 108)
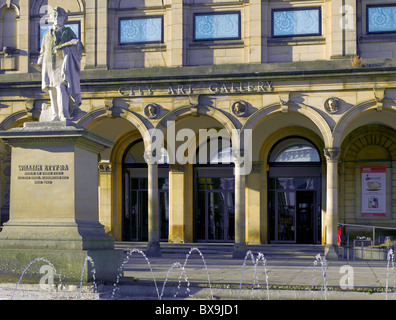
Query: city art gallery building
point(313, 82)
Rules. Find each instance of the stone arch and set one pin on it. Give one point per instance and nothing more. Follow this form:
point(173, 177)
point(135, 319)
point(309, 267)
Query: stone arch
point(367, 145)
point(14, 120)
point(226, 121)
point(102, 113)
point(295, 131)
point(305, 110)
point(366, 109)
point(370, 135)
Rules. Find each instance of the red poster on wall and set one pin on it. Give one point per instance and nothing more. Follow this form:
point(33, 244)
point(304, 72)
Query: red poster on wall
point(373, 191)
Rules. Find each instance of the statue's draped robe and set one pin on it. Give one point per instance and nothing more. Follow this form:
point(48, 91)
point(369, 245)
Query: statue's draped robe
point(64, 65)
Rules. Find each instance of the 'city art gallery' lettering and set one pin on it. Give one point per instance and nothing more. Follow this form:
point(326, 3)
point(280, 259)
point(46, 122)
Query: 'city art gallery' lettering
point(188, 89)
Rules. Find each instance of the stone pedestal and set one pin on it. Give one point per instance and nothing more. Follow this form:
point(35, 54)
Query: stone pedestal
point(54, 203)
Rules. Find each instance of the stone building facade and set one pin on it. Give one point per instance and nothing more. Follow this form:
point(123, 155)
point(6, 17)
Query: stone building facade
point(313, 80)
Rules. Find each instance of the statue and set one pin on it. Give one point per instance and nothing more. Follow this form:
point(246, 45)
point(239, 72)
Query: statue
point(59, 63)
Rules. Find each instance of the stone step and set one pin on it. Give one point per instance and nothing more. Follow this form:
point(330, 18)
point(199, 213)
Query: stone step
point(226, 249)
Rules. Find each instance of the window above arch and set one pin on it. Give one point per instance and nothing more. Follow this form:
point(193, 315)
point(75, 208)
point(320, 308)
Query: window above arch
point(294, 150)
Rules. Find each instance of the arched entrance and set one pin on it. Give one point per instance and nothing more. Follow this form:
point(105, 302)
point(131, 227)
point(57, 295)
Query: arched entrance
point(294, 192)
point(135, 194)
point(214, 195)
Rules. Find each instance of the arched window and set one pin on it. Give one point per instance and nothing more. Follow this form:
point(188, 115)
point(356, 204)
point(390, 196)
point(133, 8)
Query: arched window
point(294, 150)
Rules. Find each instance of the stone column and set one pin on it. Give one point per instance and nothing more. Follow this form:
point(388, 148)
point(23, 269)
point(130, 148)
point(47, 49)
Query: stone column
point(331, 155)
point(105, 189)
point(240, 232)
point(153, 246)
point(180, 203)
point(254, 219)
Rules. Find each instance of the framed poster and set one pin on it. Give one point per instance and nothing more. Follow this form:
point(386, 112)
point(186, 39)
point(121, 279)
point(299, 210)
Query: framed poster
point(373, 191)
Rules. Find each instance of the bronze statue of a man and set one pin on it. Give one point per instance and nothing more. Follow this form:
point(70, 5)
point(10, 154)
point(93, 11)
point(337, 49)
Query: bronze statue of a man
point(60, 64)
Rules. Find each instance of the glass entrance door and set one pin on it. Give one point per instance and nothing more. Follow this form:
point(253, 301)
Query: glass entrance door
point(286, 216)
point(135, 219)
point(136, 211)
point(294, 210)
point(214, 213)
point(305, 210)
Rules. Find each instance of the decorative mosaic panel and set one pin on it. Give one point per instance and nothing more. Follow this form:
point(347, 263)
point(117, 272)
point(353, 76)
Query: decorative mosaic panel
point(296, 22)
point(75, 26)
point(141, 30)
point(215, 26)
point(381, 19)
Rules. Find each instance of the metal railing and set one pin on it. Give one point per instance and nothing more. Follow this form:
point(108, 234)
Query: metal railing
point(355, 237)
point(373, 228)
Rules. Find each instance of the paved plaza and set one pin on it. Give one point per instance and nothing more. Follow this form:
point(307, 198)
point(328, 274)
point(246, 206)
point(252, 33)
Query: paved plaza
point(208, 271)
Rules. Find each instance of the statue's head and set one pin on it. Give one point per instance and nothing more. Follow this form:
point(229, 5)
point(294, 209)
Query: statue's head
point(59, 16)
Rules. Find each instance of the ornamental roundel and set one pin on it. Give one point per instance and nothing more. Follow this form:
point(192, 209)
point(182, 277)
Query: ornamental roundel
point(239, 108)
point(332, 105)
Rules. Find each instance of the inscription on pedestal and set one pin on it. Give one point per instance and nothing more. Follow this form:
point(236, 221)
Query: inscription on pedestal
point(43, 174)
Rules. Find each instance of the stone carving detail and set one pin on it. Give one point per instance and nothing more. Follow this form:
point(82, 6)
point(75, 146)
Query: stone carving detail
point(151, 111)
point(331, 154)
point(332, 105)
point(105, 167)
point(239, 108)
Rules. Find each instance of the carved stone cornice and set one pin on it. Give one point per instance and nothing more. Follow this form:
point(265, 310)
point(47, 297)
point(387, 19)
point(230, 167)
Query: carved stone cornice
point(40, 134)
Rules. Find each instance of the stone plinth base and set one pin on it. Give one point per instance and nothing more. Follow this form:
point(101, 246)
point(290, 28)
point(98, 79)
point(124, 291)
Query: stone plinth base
point(54, 212)
point(240, 251)
point(331, 252)
point(69, 264)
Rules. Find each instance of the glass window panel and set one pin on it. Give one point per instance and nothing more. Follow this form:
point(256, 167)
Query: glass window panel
point(141, 30)
point(214, 26)
point(75, 26)
point(286, 216)
point(135, 184)
point(295, 150)
point(298, 153)
point(143, 183)
point(381, 19)
point(163, 183)
point(201, 183)
point(296, 22)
